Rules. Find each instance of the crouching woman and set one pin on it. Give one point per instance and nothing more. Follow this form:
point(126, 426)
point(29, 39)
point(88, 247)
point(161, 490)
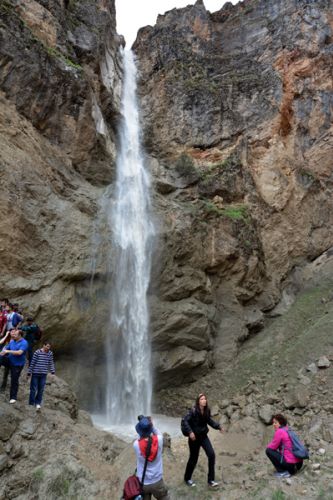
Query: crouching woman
point(279, 449)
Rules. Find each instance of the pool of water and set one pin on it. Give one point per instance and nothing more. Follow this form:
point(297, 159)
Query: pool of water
point(127, 432)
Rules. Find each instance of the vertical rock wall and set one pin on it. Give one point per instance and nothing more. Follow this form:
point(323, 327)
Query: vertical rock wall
point(60, 84)
point(237, 114)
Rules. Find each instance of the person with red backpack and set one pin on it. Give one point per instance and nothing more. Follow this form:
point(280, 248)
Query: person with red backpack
point(149, 466)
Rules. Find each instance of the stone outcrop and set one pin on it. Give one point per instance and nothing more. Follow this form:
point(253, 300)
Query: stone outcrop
point(238, 123)
point(60, 85)
point(56, 452)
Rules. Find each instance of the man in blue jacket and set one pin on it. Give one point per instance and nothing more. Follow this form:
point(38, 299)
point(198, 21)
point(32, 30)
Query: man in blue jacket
point(14, 356)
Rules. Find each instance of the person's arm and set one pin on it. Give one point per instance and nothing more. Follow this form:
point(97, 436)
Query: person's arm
point(276, 441)
point(3, 340)
point(18, 352)
point(14, 353)
point(187, 424)
point(4, 327)
point(33, 363)
point(214, 424)
point(51, 363)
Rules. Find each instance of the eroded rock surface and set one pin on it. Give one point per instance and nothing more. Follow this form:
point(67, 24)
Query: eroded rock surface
point(60, 85)
point(237, 117)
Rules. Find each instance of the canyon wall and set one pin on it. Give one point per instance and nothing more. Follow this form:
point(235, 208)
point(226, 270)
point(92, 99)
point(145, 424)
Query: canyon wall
point(60, 88)
point(237, 127)
point(237, 117)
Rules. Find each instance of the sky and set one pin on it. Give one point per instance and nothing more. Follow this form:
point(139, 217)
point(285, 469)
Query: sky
point(134, 14)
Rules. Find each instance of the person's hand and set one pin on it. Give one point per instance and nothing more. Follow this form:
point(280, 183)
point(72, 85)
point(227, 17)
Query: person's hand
point(221, 430)
point(3, 352)
point(192, 436)
point(52, 377)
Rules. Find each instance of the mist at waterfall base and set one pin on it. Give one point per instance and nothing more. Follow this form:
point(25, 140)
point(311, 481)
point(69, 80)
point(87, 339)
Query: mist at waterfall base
point(128, 384)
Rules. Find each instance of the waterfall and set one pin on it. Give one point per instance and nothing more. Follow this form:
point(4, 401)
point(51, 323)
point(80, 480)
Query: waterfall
point(129, 379)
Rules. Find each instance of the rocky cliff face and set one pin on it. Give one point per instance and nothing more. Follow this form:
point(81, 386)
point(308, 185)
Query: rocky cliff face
point(237, 117)
point(60, 84)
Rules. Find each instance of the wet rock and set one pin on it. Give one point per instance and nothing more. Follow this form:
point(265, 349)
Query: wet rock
point(84, 417)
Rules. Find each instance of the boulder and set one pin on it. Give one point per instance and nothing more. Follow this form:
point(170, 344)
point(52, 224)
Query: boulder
point(297, 398)
point(180, 365)
point(265, 414)
point(323, 362)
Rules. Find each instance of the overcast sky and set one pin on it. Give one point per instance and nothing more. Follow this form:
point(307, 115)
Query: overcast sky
point(134, 14)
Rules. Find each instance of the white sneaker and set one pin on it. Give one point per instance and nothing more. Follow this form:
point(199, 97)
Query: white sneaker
point(213, 484)
point(190, 483)
point(38, 407)
point(12, 401)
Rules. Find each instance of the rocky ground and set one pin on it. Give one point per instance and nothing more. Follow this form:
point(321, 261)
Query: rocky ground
point(58, 454)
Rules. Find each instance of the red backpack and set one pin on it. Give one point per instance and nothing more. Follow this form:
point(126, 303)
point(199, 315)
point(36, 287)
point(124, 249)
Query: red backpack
point(132, 488)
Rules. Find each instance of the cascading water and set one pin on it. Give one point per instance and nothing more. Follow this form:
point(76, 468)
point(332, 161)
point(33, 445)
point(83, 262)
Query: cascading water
point(129, 381)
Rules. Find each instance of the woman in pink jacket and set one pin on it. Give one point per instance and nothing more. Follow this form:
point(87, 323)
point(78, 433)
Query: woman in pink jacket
point(279, 449)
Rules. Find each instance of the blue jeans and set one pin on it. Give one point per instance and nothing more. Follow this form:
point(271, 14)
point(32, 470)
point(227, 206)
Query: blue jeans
point(15, 372)
point(37, 384)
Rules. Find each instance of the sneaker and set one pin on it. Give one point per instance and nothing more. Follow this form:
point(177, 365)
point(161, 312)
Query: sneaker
point(213, 484)
point(284, 474)
point(190, 483)
point(12, 401)
point(38, 407)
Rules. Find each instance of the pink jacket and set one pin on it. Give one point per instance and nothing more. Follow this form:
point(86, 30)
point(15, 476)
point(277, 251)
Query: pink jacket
point(281, 441)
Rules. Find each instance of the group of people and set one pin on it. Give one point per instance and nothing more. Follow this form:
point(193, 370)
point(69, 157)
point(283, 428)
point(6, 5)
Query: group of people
point(149, 463)
point(18, 338)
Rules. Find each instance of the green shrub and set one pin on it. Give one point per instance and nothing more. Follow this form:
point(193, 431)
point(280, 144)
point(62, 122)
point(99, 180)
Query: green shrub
point(278, 495)
point(236, 212)
point(56, 53)
point(59, 487)
point(185, 166)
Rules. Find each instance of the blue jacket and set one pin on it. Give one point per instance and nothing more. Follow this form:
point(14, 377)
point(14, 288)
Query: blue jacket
point(17, 345)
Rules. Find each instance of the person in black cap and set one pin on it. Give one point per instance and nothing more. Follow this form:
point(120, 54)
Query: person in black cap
point(150, 442)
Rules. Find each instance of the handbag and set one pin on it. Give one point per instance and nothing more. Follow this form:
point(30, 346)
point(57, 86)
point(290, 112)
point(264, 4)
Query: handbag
point(133, 486)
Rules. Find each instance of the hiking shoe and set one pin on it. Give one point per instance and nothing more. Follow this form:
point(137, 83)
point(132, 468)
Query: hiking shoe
point(38, 407)
point(284, 474)
point(12, 401)
point(213, 484)
point(190, 483)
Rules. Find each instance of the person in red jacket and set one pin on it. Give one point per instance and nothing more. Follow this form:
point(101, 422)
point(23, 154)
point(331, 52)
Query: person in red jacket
point(279, 449)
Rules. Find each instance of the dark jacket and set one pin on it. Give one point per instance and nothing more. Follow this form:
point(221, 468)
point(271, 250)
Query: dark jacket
point(195, 421)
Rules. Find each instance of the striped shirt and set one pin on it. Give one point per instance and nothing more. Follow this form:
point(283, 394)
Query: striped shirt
point(42, 362)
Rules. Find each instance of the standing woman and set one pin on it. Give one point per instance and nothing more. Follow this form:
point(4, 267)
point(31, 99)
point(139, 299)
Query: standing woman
point(196, 426)
point(279, 449)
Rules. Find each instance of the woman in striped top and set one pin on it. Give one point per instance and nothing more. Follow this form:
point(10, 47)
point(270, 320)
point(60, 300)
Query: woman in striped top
point(41, 364)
